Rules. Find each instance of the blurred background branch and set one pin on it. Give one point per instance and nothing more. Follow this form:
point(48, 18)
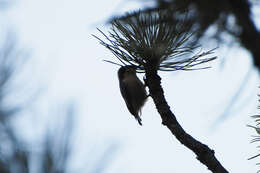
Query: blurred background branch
point(228, 22)
point(51, 152)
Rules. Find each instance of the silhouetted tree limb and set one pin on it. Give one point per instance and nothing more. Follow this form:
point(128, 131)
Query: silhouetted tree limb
point(151, 42)
point(204, 154)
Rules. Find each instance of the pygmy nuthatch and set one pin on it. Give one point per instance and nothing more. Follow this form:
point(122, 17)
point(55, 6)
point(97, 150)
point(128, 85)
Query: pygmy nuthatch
point(132, 90)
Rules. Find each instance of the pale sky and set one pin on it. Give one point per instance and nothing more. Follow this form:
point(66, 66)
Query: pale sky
point(66, 58)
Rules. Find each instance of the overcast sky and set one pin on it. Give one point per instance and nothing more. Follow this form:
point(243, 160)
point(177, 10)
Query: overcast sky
point(67, 59)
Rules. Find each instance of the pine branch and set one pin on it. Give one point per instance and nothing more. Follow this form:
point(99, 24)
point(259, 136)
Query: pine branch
point(153, 41)
point(256, 138)
point(154, 36)
point(204, 154)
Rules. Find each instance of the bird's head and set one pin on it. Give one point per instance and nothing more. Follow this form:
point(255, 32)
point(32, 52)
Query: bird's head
point(126, 71)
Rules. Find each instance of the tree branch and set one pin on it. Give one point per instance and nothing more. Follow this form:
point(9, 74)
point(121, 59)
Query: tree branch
point(150, 42)
point(204, 154)
point(249, 36)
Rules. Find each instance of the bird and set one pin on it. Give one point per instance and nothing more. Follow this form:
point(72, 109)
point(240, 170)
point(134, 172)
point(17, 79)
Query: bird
point(132, 90)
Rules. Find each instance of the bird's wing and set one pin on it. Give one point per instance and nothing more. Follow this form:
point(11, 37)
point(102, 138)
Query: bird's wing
point(124, 88)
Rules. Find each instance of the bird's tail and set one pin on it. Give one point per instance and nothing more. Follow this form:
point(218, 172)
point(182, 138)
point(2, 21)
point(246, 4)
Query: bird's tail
point(138, 119)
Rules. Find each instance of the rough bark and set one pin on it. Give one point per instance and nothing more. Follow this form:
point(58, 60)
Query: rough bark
point(204, 154)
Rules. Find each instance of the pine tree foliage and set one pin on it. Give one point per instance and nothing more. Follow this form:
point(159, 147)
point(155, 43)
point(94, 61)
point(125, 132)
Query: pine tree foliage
point(140, 37)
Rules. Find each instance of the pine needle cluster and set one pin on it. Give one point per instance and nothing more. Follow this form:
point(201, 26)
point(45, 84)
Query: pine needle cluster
point(140, 38)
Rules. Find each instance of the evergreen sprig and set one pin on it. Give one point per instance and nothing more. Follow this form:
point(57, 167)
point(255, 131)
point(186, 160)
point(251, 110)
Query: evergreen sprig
point(138, 38)
point(256, 138)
